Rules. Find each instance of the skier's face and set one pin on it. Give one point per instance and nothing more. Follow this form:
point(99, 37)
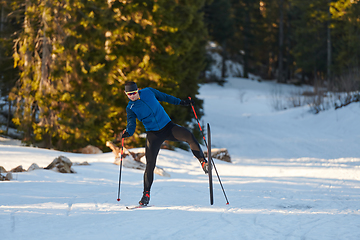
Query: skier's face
point(133, 96)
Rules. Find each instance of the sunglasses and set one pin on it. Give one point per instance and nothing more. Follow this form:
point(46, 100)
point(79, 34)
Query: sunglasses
point(132, 93)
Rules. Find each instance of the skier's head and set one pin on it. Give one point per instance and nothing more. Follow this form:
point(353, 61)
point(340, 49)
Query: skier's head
point(130, 87)
point(131, 91)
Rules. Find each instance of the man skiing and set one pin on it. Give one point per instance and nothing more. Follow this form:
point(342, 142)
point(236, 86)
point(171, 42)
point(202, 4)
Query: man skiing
point(144, 105)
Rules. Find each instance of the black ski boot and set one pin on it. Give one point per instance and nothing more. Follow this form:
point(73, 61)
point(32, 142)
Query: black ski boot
point(145, 199)
point(204, 165)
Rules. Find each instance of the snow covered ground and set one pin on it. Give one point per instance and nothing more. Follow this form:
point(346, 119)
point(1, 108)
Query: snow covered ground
point(295, 175)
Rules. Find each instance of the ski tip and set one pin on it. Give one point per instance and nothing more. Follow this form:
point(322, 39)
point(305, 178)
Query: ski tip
point(118, 199)
point(227, 203)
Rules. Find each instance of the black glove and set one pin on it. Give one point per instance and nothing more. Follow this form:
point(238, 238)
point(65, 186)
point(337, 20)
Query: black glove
point(120, 136)
point(186, 102)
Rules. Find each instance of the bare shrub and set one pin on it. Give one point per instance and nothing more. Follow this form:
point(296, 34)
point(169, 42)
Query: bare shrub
point(277, 99)
point(319, 102)
point(295, 98)
point(349, 81)
point(345, 91)
point(298, 98)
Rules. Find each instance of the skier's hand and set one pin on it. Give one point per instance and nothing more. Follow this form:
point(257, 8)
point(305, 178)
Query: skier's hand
point(120, 136)
point(186, 102)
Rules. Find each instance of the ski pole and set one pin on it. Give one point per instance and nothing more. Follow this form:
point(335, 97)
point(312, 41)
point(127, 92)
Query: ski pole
point(212, 161)
point(121, 156)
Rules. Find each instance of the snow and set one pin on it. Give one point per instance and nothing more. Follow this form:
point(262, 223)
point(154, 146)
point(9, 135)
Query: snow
point(233, 69)
point(294, 175)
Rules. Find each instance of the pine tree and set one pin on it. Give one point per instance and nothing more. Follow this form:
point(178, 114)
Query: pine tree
point(310, 25)
point(346, 32)
point(8, 25)
point(61, 55)
point(164, 48)
point(219, 21)
point(8, 74)
point(250, 36)
point(74, 57)
point(25, 56)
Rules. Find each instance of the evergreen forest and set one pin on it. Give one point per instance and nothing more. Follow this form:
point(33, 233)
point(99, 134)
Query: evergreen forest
point(63, 63)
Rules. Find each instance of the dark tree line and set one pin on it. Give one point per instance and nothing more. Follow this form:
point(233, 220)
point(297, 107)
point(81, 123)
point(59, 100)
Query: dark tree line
point(315, 42)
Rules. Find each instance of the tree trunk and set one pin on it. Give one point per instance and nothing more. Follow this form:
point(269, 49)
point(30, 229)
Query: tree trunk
point(224, 58)
point(288, 74)
point(44, 88)
point(27, 59)
point(281, 42)
point(246, 41)
point(316, 81)
point(329, 48)
point(2, 19)
point(9, 118)
point(27, 30)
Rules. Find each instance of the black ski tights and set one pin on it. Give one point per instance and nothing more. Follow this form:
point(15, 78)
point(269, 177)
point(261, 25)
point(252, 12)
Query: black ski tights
point(154, 139)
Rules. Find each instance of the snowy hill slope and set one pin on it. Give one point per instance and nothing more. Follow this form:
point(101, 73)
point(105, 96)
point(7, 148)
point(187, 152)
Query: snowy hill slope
point(295, 175)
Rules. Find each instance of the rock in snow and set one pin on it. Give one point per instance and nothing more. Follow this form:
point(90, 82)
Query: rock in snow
point(61, 164)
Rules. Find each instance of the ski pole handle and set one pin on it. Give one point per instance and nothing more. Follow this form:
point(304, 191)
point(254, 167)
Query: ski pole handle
point(193, 108)
point(122, 148)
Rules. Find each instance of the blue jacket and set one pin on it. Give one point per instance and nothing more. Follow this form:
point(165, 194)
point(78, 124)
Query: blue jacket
point(148, 110)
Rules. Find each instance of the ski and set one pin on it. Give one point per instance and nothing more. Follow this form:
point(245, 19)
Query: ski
point(210, 165)
point(137, 207)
